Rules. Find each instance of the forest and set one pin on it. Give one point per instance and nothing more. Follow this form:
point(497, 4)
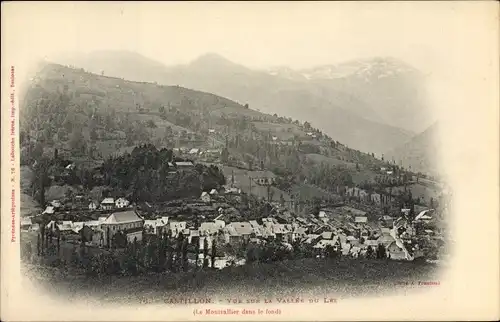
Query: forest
point(146, 174)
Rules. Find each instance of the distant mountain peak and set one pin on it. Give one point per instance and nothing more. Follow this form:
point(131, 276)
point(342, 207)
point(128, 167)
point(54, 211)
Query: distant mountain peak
point(375, 67)
point(211, 58)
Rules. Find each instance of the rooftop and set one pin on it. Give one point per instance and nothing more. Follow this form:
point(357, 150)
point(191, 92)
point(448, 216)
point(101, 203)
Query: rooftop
point(108, 200)
point(122, 217)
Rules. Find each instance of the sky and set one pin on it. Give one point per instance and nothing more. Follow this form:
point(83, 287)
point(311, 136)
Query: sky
point(438, 38)
point(255, 34)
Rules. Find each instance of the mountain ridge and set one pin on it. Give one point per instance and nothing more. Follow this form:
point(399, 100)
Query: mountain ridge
point(328, 98)
point(421, 152)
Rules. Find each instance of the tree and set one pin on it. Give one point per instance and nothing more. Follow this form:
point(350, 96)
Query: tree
point(38, 246)
point(41, 180)
point(93, 134)
point(184, 250)
point(225, 155)
point(369, 252)
point(205, 253)
point(37, 151)
point(151, 124)
point(282, 199)
point(214, 252)
point(77, 141)
point(381, 252)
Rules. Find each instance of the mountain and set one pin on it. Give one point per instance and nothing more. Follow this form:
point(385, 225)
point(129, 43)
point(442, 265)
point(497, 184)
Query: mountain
point(351, 102)
point(88, 117)
point(389, 86)
point(421, 152)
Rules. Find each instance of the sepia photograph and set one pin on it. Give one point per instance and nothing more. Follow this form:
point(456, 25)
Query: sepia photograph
point(236, 160)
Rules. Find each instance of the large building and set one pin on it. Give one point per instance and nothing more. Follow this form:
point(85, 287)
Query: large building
point(127, 222)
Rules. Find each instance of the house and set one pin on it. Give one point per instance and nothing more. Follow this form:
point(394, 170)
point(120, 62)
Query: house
point(327, 235)
point(92, 205)
point(26, 223)
point(70, 166)
point(64, 227)
point(108, 204)
point(395, 252)
point(194, 151)
point(176, 227)
point(211, 131)
point(353, 211)
point(424, 215)
point(355, 251)
point(231, 236)
point(209, 228)
point(323, 243)
point(282, 232)
point(121, 203)
point(299, 233)
point(213, 152)
point(221, 262)
point(345, 248)
point(312, 239)
point(78, 198)
point(213, 192)
point(156, 226)
point(205, 197)
point(77, 226)
point(232, 190)
point(265, 181)
point(97, 236)
point(375, 198)
point(352, 239)
point(387, 221)
point(220, 223)
point(360, 219)
point(193, 236)
point(195, 259)
point(257, 229)
point(49, 210)
point(243, 229)
point(385, 240)
point(127, 222)
point(268, 220)
point(184, 164)
point(385, 230)
point(93, 223)
point(373, 243)
point(56, 204)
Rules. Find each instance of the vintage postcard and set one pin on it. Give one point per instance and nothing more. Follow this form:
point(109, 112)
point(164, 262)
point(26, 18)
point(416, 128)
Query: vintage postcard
point(259, 161)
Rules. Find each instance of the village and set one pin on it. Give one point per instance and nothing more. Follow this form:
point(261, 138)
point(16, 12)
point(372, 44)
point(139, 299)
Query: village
point(217, 235)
